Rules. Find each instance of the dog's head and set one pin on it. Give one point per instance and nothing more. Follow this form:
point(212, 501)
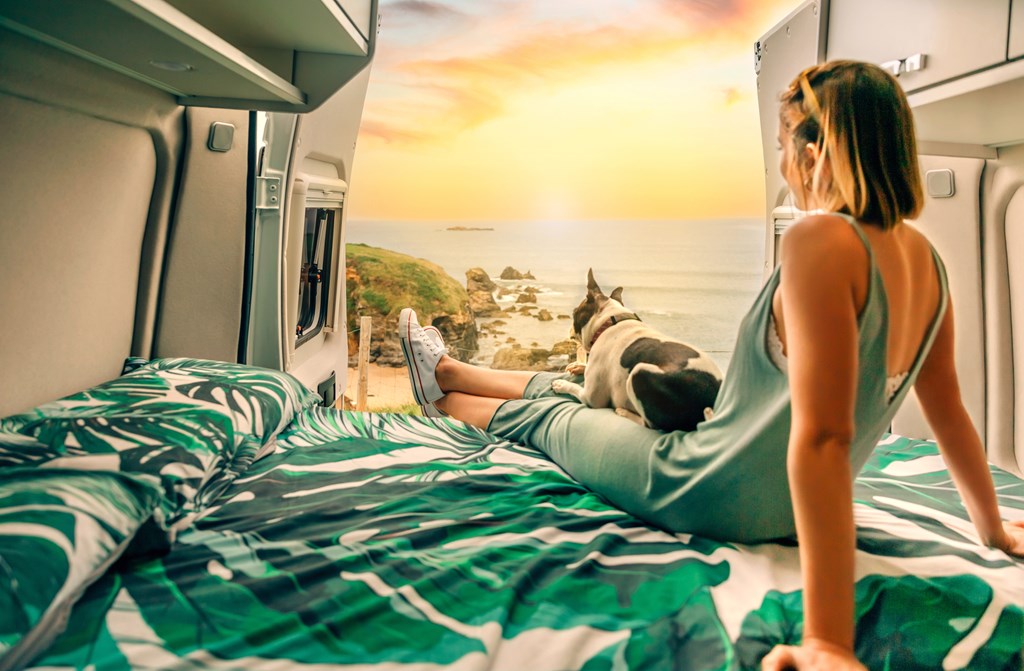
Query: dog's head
point(590, 306)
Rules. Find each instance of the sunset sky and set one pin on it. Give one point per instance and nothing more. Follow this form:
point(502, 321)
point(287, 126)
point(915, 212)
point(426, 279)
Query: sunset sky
point(505, 110)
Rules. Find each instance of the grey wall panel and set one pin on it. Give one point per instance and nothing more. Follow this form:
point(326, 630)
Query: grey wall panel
point(37, 72)
point(201, 301)
point(1015, 281)
point(953, 226)
point(76, 193)
point(1003, 234)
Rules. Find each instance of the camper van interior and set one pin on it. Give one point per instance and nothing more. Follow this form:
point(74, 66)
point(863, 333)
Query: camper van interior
point(178, 491)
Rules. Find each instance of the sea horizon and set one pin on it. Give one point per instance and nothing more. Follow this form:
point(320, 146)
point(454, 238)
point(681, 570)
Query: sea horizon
point(692, 279)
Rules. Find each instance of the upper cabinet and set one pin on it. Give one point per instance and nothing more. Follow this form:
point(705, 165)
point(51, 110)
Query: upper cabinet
point(1016, 30)
point(243, 54)
point(925, 42)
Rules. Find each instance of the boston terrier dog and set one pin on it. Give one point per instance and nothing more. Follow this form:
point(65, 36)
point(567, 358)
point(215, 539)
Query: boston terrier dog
point(646, 376)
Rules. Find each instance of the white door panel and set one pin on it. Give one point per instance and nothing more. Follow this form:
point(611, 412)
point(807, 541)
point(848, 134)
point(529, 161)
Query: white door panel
point(955, 37)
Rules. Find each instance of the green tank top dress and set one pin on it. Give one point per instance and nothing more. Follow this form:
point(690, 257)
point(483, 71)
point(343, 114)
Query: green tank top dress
point(726, 479)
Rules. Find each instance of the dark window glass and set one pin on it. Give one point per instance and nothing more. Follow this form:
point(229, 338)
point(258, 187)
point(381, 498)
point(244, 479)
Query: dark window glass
point(317, 244)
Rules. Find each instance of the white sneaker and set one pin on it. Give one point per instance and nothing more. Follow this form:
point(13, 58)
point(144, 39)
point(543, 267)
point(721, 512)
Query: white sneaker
point(431, 410)
point(422, 352)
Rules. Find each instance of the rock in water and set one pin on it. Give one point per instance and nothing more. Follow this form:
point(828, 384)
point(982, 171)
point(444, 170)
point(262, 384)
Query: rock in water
point(481, 293)
point(511, 273)
point(528, 296)
point(544, 315)
point(381, 282)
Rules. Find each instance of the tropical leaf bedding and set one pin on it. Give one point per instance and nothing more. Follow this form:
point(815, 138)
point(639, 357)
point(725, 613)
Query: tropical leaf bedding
point(392, 542)
point(59, 531)
point(192, 423)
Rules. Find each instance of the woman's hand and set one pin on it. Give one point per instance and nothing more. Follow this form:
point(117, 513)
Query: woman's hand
point(1013, 543)
point(813, 655)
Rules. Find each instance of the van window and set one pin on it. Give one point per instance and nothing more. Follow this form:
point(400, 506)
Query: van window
point(314, 272)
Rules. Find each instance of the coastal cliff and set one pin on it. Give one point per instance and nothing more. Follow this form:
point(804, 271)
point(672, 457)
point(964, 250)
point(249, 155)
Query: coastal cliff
point(380, 282)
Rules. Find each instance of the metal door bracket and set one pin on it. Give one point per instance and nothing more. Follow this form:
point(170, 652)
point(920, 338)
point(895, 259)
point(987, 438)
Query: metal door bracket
point(268, 193)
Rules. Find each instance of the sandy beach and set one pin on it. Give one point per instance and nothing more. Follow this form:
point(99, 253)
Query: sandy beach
point(387, 387)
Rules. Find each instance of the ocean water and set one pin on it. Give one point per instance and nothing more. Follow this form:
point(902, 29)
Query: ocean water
point(693, 280)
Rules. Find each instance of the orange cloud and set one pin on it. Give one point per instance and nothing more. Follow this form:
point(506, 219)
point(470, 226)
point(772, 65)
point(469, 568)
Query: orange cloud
point(456, 94)
point(447, 96)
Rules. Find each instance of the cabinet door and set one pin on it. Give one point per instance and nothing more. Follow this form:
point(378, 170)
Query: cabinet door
point(1017, 29)
point(956, 37)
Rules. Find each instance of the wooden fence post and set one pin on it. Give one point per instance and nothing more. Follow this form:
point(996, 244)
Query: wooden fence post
point(365, 326)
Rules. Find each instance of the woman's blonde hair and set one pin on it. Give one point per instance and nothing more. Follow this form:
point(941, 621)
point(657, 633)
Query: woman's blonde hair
point(859, 118)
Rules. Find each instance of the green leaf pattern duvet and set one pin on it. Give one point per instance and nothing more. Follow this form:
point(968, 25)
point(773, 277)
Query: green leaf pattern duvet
point(394, 542)
point(195, 424)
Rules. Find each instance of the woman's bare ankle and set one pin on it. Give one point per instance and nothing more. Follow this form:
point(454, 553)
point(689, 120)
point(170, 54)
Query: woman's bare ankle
point(443, 373)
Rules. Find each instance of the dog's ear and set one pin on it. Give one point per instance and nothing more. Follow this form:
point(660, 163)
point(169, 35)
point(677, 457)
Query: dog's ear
point(617, 294)
point(592, 288)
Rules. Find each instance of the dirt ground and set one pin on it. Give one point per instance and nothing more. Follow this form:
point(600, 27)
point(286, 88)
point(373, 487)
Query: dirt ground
point(387, 387)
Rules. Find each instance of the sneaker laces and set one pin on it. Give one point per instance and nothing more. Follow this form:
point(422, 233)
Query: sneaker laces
point(429, 343)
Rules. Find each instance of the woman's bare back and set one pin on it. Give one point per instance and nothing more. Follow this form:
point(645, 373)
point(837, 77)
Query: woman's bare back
point(910, 279)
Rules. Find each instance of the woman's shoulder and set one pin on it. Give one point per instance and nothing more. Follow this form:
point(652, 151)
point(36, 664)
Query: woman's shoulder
point(824, 236)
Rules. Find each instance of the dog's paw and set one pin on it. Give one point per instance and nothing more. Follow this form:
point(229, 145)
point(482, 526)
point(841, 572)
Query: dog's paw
point(561, 386)
point(630, 415)
point(576, 368)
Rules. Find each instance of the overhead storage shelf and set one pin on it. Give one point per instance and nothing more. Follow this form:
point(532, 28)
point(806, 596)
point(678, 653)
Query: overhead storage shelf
point(245, 54)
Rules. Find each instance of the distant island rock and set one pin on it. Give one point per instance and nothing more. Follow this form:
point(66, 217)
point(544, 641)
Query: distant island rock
point(381, 282)
point(469, 228)
point(511, 273)
point(481, 288)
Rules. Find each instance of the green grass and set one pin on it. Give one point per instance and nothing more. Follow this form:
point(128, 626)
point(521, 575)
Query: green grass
point(382, 282)
point(404, 409)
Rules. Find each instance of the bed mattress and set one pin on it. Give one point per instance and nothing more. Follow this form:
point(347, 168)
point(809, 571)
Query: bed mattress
point(368, 541)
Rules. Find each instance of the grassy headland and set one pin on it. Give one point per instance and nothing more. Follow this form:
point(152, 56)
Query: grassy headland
point(387, 281)
point(381, 282)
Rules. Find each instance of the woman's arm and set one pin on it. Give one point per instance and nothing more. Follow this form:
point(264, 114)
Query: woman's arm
point(823, 271)
point(938, 390)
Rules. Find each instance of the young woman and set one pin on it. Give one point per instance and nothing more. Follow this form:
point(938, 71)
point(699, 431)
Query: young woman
point(857, 313)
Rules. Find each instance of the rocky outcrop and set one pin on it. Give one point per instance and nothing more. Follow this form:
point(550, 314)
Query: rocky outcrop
point(544, 316)
point(477, 279)
point(521, 358)
point(567, 347)
point(528, 296)
point(511, 273)
point(481, 289)
point(517, 357)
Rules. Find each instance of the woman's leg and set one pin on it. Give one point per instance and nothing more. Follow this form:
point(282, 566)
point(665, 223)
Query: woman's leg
point(475, 410)
point(456, 376)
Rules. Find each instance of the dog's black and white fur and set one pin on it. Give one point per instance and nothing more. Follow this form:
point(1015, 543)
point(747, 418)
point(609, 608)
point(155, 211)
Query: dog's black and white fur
point(646, 376)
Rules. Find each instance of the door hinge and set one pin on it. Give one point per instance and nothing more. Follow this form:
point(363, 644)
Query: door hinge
point(268, 193)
